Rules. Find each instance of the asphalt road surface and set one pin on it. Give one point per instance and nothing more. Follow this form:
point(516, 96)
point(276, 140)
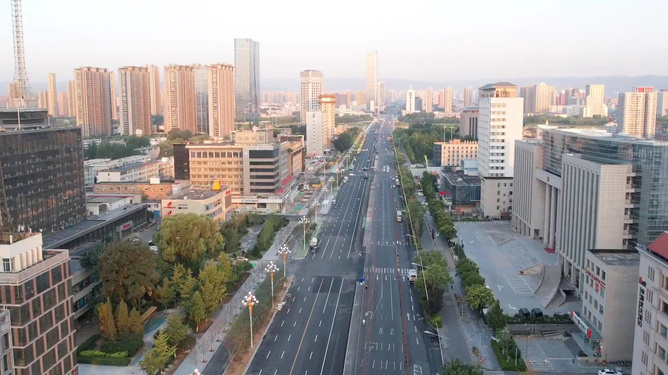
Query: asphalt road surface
point(309, 334)
point(393, 339)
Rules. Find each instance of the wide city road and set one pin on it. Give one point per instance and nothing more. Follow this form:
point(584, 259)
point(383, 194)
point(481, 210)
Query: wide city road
point(393, 338)
point(309, 334)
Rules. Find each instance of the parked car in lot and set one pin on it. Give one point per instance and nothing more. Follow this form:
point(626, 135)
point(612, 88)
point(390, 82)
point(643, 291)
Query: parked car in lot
point(607, 371)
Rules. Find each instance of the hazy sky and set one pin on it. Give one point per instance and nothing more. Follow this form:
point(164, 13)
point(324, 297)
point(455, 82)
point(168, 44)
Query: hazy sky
point(416, 39)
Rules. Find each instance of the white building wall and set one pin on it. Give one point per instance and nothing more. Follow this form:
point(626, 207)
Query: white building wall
point(528, 191)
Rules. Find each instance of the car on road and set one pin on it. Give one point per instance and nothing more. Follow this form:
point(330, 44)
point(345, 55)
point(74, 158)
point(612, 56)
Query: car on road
point(153, 248)
point(241, 259)
point(607, 371)
point(365, 168)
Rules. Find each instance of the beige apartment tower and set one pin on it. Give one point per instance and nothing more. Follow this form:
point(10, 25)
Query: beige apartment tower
point(156, 91)
point(595, 100)
point(93, 100)
point(636, 112)
point(135, 101)
point(63, 104)
point(71, 98)
point(180, 111)
point(52, 100)
point(312, 86)
point(221, 100)
point(447, 99)
point(114, 98)
point(428, 103)
point(328, 108)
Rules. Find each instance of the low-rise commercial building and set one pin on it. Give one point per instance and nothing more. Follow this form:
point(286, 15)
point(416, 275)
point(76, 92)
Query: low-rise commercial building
point(453, 152)
point(99, 204)
point(650, 342)
point(608, 319)
point(214, 203)
point(130, 173)
point(152, 190)
point(91, 167)
point(460, 188)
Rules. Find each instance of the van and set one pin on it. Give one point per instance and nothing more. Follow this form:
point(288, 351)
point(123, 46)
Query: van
point(412, 276)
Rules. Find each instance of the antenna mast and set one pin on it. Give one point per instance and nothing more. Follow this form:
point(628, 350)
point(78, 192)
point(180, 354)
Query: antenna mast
point(21, 96)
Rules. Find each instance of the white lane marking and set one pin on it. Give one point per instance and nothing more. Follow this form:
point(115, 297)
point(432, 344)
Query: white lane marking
point(283, 322)
point(289, 337)
point(282, 354)
point(316, 338)
point(328, 292)
point(268, 355)
point(288, 310)
point(311, 355)
point(300, 310)
point(275, 338)
point(294, 325)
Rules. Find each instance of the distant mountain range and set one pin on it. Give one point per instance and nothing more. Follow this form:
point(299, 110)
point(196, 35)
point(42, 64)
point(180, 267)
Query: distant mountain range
point(612, 84)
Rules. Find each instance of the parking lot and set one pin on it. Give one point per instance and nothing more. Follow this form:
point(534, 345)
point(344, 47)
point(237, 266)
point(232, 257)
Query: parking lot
point(501, 254)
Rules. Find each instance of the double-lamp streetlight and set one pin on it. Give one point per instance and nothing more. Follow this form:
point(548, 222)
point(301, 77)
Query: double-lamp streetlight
point(250, 301)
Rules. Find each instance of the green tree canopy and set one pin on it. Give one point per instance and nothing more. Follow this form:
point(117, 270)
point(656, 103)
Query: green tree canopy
point(458, 367)
point(189, 239)
point(135, 324)
point(122, 317)
point(496, 319)
point(107, 323)
point(343, 142)
point(128, 271)
point(197, 310)
point(479, 297)
point(176, 330)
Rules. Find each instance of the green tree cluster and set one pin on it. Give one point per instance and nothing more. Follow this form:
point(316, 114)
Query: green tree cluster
point(265, 239)
point(128, 272)
point(189, 239)
point(178, 136)
point(458, 367)
point(110, 150)
point(446, 227)
point(349, 119)
point(156, 358)
point(433, 280)
point(343, 142)
point(570, 120)
point(122, 324)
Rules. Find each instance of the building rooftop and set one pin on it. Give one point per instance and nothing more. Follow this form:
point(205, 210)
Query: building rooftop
point(53, 240)
point(465, 109)
point(498, 84)
point(598, 133)
point(458, 178)
point(197, 194)
point(617, 257)
point(96, 198)
point(128, 167)
point(660, 245)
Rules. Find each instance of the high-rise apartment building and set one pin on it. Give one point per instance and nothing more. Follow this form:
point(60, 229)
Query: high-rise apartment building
point(581, 189)
point(410, 101)
point(247, 79)
point(650, 341)
point(500, 124)
point(468, 96)
point(316, 134)
point(381, 96)
point(180, 111)
point(662, 103)
point(63, 104)
point(312, 86)
point(135, 101)
point(447, 99)
point(71, 98)
point(371, 80)
point(52, 100)
point(42, 99)
point(636, 112)
point(156, 91)
point(201, 73)
point(529, 95)
point(544, 95)
point(93, 100)
point(428, 102)
point(43, 177)
point(328, 108)
point(38, 297)
point(595, 100)
point(221, 100)
point(114, 98)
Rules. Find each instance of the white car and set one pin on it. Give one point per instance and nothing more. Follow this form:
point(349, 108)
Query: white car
point(607, 371)
point(153, 248)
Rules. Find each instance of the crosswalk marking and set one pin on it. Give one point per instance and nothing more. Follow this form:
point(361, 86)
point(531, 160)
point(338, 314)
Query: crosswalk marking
point(385, 270)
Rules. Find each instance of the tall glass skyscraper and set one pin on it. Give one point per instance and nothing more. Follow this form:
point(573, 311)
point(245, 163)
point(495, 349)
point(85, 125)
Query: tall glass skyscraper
point(247, 79)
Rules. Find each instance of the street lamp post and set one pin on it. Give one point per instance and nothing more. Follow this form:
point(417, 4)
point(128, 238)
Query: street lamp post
point(439, 342)
point(271, 268)
point(284, 251)
point(303, 222)
point(250, 301)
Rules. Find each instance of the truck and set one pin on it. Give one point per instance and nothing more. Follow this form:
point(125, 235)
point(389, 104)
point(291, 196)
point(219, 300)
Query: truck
point(313, 246)
point(398, 215)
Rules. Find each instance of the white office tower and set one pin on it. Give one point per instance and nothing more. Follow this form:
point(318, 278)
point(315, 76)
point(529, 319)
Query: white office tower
point(312, 86)
point(499, 125)
point(410, 101)
point(594, 100)
point(428, 103)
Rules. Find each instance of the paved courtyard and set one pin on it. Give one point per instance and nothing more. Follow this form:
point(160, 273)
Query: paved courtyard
point(501, 254)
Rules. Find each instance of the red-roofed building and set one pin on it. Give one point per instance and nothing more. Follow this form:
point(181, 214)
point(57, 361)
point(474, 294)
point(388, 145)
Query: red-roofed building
point(650, 342)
